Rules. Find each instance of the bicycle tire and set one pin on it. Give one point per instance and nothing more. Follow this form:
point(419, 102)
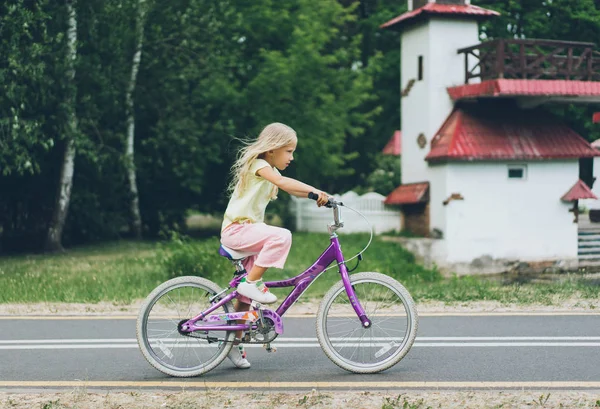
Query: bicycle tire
point(153, 356)
point(326, 314)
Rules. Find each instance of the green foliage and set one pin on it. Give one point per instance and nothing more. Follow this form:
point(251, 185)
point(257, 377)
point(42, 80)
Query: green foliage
point(211, 73)
point(380, 56)
point(554, 20)
point(27, 39)
point(386, 177)
point(316, 87)
point(31, 110)
point(181, 257)
point(403, 402)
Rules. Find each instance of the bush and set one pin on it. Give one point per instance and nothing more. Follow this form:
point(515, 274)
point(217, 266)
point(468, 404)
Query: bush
point(182, 257)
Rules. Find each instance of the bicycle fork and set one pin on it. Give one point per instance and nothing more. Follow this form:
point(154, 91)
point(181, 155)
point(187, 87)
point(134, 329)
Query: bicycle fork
point(360, 312)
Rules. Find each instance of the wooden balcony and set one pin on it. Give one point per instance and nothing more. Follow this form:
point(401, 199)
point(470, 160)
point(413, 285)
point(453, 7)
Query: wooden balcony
point(532, 59)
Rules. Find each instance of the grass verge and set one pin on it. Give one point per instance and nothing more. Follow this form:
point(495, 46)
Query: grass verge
point(121, 272)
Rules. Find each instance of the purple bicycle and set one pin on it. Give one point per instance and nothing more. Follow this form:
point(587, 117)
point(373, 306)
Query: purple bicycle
point(366, 323)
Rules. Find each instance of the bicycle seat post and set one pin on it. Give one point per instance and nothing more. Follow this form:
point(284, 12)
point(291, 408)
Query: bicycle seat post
point(239, 267)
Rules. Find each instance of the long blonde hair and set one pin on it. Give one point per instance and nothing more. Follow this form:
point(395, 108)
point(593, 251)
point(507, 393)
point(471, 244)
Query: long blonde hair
point(273, 136)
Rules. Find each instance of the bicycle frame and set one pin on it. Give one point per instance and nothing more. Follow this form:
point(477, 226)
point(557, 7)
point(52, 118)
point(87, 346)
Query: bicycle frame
point(300, 283)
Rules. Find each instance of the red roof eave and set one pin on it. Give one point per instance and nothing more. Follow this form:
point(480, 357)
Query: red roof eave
point(457, 10)
point(410, 193)
point(579, 191)
point(503, 87)
point(394, 145)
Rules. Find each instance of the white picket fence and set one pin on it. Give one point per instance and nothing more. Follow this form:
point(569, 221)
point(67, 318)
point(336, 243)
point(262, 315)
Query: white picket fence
point(311, 218)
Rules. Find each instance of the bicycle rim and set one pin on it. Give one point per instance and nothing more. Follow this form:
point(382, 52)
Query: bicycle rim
point(393, 327)
point(160, 341)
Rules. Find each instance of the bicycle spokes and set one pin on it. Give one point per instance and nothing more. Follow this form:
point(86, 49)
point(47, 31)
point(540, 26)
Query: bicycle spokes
point(169, 347)
point(393, 324)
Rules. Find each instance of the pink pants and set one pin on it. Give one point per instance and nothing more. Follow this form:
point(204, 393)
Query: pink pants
point(272, 243)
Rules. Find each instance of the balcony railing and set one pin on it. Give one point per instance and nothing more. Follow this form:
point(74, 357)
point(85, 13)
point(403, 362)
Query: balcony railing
point(532, 59)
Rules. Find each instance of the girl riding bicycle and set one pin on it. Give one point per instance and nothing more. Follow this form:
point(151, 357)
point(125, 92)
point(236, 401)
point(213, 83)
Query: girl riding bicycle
point(256, 180)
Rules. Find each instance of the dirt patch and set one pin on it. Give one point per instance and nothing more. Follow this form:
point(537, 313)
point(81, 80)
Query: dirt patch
point(314, 399)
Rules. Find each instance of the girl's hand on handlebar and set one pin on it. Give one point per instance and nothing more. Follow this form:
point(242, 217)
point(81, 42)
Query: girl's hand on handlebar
point(323, 198)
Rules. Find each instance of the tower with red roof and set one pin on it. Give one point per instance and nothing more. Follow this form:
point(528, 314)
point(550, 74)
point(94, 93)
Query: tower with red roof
point(487, 171)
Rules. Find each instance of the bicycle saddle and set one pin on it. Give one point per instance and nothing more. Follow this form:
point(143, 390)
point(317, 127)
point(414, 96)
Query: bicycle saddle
point(235, 254)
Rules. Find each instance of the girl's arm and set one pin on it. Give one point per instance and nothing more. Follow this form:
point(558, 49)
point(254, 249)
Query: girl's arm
point(292, 186)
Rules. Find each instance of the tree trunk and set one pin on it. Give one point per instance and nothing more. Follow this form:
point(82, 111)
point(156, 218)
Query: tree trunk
point(135, 224)
point(63, 197)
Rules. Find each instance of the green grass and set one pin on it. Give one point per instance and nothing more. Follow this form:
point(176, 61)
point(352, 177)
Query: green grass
point(121, 272)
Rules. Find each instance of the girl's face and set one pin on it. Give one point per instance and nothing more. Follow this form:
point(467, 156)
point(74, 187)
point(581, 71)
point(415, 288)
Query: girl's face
point(282, 157)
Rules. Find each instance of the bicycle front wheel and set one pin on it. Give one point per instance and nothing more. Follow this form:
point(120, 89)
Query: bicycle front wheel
point(170, 350)
point(394, 323)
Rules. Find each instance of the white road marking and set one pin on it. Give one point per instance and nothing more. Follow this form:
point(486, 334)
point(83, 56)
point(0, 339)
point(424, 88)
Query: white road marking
point(439, 342)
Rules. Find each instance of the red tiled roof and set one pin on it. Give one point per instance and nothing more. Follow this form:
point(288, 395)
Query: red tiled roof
point(409, 194)
point(497, 132)
point(394, 145)
point(460, 10)
point(579, 191)
point(502, 87)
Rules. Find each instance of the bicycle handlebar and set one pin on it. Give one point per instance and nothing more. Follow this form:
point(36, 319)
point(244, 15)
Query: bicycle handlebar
point(338, 223)
point(331, 203)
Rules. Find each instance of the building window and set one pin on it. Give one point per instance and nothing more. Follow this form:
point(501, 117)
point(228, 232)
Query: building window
point(420, 68)
point(419, 3)
point(517, 172)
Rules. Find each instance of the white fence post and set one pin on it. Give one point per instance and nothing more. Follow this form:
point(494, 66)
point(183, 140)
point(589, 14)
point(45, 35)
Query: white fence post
point(311, 218)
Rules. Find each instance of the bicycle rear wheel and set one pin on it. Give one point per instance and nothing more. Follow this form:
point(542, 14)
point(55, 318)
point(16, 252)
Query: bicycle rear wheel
point(163, 345)
point(394, 323)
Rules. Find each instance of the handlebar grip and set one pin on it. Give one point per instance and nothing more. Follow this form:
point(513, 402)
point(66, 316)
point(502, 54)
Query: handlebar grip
point(315, 197)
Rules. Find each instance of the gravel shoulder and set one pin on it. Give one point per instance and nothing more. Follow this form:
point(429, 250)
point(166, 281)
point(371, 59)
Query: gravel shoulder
point(210, 399)
point(310, 308)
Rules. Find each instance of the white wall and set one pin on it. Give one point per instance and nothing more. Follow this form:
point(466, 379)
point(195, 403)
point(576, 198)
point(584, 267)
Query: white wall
point(510, 219)
point(414, 107)
point(438, 192)
point(311, 218)
point(428, 104)
point(446, 67)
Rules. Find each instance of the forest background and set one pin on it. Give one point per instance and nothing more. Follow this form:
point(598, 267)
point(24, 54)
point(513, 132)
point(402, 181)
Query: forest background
point(119, 117)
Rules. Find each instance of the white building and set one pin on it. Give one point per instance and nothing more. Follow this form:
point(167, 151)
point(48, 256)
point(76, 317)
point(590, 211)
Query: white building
point(489, 175)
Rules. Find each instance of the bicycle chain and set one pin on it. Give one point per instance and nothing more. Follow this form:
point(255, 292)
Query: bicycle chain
point(213, 339)
point(264, 331)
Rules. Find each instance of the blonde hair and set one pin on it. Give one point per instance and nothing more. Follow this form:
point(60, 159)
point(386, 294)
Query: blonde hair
point(273, 136)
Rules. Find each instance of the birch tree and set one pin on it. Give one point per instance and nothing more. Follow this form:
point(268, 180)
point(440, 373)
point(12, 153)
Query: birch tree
point(63, 197)
point(135, 217)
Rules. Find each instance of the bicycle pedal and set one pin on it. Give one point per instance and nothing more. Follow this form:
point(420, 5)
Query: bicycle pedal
point(269, 348)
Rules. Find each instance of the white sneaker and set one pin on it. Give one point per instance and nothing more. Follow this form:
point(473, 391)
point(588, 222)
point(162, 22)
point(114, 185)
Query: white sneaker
point(258, 293)
point(237, 355)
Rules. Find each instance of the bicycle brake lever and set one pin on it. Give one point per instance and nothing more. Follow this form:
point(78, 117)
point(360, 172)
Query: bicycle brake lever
point(357, 262)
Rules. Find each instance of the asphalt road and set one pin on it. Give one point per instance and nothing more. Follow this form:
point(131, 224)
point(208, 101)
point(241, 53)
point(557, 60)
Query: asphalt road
point(450, 352)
